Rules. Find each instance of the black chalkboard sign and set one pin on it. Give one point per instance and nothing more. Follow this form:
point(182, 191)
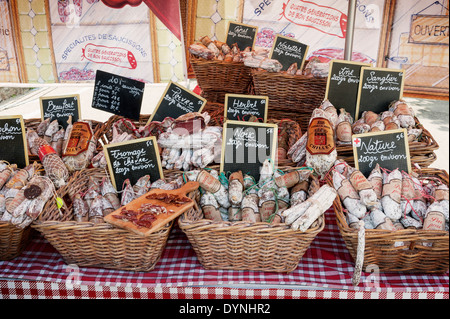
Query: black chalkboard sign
point(389, 148)
point(243, 35)
point(133, 159)
point(241, 107)
point(378, 87)
point(343, 84)
point(118, 95)
point(13, 143)
point(176, 101)
point(288, 51)
point(246, 145)
point(61, 108)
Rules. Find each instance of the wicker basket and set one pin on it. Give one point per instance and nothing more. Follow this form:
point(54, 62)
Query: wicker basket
point(295, 95)
point(380, 245)
point(246, 246)
point(421, 151)
point(217, 78)
point(13, 240)
point(98, 245)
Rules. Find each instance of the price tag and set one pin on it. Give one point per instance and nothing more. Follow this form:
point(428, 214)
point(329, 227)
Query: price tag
point(61, 108)
point(343, 84)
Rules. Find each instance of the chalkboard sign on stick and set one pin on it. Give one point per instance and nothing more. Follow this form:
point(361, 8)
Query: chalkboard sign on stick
point(133, 159)
point(390, 149)
point(118, 95)
point(288, 51)
point(343, 84)
point(241, 107)
point(61, 108)
point(13, 142)
point(243, 35)
point(378, 87)
point(246, 145)
point(176, 101)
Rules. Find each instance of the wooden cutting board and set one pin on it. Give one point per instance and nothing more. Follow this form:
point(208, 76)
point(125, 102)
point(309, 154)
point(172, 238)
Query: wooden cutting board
point(161, 219)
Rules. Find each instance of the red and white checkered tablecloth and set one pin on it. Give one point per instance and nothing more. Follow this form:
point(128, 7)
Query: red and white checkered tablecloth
point(324, 272)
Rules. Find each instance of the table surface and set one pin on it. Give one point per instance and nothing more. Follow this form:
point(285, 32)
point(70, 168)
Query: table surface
point(325, 271)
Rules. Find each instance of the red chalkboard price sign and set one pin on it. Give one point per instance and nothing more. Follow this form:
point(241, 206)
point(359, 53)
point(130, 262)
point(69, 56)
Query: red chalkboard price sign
point(13, 143)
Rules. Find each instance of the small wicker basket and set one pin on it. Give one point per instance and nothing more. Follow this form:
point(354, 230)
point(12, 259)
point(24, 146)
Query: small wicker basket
point(241, 245)
point(98, 245)
point(217, 78)
point(380, 245)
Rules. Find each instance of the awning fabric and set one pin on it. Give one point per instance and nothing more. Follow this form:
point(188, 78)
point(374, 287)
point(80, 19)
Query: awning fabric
point(168, 11)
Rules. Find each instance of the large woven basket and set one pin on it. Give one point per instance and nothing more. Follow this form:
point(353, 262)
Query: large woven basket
point(295, 95)
point(101, 245)
point(13, 240)
point(380, 245)
point(241, 245)
point(217, 78)
point(421, 151)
